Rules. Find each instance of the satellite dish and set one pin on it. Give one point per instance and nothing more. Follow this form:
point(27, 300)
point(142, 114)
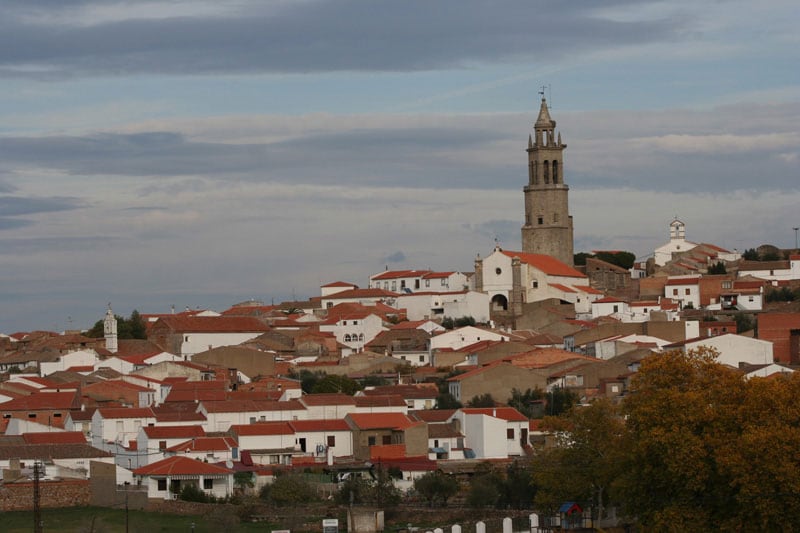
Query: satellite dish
point(229, 463)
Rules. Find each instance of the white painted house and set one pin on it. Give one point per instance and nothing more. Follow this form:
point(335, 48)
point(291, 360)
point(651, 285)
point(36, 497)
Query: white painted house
point(684, 289)
point(733, 349)
point(79, 358)
point(461, 337)
point(493, 432)
point(454, 304)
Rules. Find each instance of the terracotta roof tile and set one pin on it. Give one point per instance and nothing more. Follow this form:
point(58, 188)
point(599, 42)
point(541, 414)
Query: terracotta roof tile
point(179, 465)
point(547, 264)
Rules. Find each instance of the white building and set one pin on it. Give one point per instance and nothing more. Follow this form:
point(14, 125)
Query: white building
point(461, 337)
point(354, 330)
point(408, 281)
point(493, 432)
point(684, 289)
point(508, 276)
point(79, 358)
point(733, 349)
point(455, 304)
point(677, 243)
point(772, 270)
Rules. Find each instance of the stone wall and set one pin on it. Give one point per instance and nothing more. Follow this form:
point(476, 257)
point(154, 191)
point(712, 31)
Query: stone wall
point(53, 494)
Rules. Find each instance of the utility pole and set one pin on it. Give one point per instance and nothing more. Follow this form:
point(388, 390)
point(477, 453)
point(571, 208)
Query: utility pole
point(127, 484)
point(37, 511)
point(795, 237)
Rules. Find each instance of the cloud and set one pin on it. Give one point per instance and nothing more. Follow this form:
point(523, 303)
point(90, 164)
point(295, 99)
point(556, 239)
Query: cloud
point(303, 37)
point(396, 257)
point(17, 205)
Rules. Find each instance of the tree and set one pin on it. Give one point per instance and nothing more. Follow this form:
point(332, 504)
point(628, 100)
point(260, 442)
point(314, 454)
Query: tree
point(682, 419)
point(243, 481)
point(132, 327)
point(334, 383)
point(717, 268)
point(579, 259)
point(621, 259)
point(436, 487)
point(446, 400)
point(289, 489)
point(750, 255)
point(588, 459)
point(464, 321)
point(560, 401)
point(483, 400)
point(527, 402)
point(448, 323)
point(380, 492)
point(744, 322)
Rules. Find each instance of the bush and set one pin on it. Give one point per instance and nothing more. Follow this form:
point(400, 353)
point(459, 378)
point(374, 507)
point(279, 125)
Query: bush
point(289, 489)
point(192, 493)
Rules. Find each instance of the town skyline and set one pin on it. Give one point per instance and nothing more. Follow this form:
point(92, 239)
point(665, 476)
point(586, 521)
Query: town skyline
point(240, 158)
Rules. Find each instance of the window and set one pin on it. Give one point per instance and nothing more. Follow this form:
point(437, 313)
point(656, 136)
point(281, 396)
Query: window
point(749, 298)
point(535, 284)
point(540, 220)
point(31, 415)
point(331, 441)
point(208, 484)
point(510, 433)
point(370, 441)
point(427, 283)
point(252, 420)
point(422, 357)
point(555, 217)
point(402, 284)
point(162, 484)
point(386, 285)
point(688, 291)
point(674, 292)
point(186, 338)
point(616, 309)
point(361, 337)
point(394, 285)
point(726, 284)
point(498, 271)
point(386, 440)
point(347, 338)
point(162, 445)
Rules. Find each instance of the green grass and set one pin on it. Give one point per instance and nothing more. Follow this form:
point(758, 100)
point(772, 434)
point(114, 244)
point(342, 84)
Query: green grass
point(103, 520)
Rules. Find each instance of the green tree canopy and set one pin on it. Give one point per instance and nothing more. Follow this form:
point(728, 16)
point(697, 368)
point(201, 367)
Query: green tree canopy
point(132, 327)
point(436, 487)
point(334, 383)
point(483, 400)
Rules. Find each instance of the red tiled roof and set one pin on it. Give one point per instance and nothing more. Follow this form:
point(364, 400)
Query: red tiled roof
point(387, 451)
point(381, 420)
point(546, 263)
point(561, 287)
point(339, 284)
point(380, 400)
point(41, 401)
point(212, 324)
point(174, 432)
point(693, 280)
point(319, 425)
point(362, 293)
point(333, 398)
point(55, 437)
point(506, 413)
point(126, 412)
point(396, 274)
point(179, 465)
point(437, 275)
point(204, 444)
point(263, 428)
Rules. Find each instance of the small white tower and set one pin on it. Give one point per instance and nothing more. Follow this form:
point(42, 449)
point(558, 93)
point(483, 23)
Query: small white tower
point(677, 230)
point(110, 330)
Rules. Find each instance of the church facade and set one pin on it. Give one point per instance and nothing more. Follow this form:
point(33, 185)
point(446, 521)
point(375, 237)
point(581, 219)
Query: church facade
point(548, 224)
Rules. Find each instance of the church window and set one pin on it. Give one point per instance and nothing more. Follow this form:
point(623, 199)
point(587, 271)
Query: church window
point(498, 271)
point(555, 171)
point(541, 220)
point(547, 172)
point(535, 173)
point(555, 217)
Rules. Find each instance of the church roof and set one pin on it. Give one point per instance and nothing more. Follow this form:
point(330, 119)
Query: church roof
point(544, 120)
point(546, 263)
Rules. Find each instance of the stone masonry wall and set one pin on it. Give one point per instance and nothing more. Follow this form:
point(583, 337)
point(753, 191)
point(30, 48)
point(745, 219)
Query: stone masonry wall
point(53, 494)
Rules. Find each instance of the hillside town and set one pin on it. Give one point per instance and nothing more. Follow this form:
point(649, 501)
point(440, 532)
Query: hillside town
point(415, 370)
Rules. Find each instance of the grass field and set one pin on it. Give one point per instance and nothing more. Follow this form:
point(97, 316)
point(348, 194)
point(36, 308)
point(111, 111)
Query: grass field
point(102, 520)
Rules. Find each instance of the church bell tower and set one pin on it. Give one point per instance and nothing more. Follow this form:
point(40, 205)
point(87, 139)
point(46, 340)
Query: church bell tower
point(548, 224)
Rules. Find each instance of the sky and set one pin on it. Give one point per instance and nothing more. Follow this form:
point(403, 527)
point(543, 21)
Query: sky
point(202, 153)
